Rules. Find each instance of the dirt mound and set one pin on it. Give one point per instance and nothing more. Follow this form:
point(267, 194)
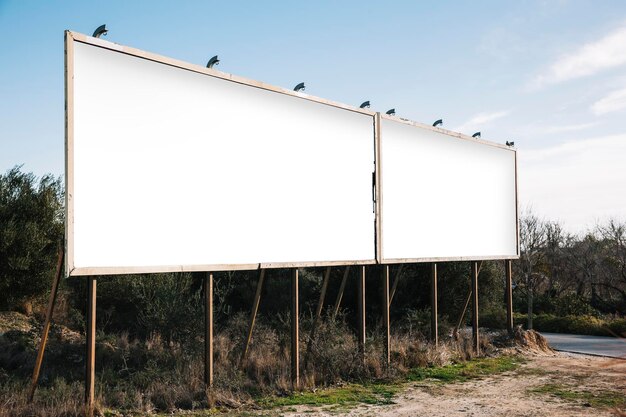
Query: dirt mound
point(531, 340)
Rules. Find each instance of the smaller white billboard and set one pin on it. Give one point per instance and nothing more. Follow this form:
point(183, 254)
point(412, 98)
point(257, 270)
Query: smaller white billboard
point(445, 196)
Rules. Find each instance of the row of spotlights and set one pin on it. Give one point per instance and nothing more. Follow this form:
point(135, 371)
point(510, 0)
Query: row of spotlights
point(102, 30)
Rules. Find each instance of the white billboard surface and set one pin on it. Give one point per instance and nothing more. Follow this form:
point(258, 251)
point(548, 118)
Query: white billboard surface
point(445, 196)
point(175, 169)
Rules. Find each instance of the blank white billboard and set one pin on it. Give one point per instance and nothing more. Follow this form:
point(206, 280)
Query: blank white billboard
point(174, 167)
point(445, 196)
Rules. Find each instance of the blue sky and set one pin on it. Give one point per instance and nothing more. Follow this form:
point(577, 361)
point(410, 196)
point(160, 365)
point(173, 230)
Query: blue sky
point(550, 75)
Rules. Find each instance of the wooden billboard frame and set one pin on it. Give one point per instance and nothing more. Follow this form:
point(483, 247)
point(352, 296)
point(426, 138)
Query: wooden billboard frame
point(70, 269)
point(379, 195)
point(71, 37)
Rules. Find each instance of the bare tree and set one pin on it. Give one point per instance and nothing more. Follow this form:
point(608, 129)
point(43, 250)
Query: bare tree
point(611, 278)
point(555, 243)
point(532, 242)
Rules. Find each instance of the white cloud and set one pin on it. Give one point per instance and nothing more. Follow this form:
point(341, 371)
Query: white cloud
point(591, 58)
point(570, 128)
point(479, 120)
point(577, 182)
point(612, 102)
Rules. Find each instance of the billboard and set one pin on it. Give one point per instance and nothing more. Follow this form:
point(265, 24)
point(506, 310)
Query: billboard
point(444, 195)
point(171, 166)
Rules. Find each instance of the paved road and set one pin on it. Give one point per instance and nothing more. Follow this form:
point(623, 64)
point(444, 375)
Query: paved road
point(593, 345)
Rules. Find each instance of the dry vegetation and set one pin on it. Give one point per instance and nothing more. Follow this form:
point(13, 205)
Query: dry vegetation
point(154, 375)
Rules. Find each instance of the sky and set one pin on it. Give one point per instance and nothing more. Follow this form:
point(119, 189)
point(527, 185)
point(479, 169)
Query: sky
point(548, 75)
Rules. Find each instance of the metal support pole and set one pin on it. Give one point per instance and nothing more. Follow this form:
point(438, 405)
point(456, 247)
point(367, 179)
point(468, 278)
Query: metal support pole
point(434, 330)
point(385, 306)
point(46, 324)
point(361, 323)
point(255, 308)
point(509, 296)
point(295, 345)
point(318, 315)
point(340, 293)
point(90, 367)
point(475, 335)
point(208, 329)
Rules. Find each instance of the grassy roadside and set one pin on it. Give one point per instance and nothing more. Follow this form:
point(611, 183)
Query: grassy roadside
point(598, 399)
point(382, 393)
point(464, 371)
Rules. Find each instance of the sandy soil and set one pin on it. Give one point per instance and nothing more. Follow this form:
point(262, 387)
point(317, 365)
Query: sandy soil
point(504, 394)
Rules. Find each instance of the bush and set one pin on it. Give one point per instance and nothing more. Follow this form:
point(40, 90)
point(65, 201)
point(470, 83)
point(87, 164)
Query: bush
point(31, 228)
point(584, 324)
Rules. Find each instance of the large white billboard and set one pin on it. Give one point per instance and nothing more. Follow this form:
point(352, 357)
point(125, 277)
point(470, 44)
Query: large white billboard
point(175, 167)
point(444, 196)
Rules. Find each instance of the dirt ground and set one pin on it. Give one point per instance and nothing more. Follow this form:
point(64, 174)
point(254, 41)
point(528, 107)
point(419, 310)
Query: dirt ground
point(508, 394)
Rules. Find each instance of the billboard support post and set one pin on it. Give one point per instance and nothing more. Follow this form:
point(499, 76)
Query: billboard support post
point(475, 335)
point(361, 322)
point(255, 308)
point(509, 296)
point(434, 331)
point(385, 305)
point(208, 329)
point(342, 287)
point(46, 326)
point(318, 314)
point(90, 363)
point(295, 331)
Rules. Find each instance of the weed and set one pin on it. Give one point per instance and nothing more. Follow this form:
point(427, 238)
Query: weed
point(597, 399)
point(464, 371)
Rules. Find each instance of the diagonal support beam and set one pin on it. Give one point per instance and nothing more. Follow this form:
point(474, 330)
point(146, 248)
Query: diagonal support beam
point(255, 309)
point(467, 301)
point(395, 283)
point(46, 326)
point(340, 293)
point(318, 314)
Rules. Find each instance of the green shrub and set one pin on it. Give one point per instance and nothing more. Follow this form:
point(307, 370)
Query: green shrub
point(583, 324)
point(31, 227)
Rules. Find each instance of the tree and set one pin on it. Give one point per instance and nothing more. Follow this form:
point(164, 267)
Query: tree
point(31, 228)
point(611, 279)
point(532, 242)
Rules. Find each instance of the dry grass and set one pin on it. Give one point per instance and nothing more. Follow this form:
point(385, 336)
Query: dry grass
point(146, 376)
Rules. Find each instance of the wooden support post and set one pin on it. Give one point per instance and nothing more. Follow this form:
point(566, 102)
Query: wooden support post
point(361, 322)
point(208, 329)
point(434, 330)
point(90, 367)
point(46, 325)
point(475, 335)
point(295, 343)
point(385, 306)
point(509, 296)
point(340, 293)
point(318, 315)
point(255, 308)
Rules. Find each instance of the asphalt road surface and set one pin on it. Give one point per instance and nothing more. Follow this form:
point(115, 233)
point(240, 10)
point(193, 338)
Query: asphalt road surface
point(591, 345)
